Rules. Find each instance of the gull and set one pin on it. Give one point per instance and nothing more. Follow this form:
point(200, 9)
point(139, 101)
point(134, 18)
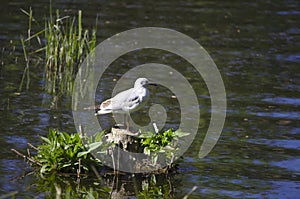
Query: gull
point(127, 101)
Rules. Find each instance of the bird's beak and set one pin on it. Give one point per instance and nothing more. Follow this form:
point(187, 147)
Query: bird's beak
point(152, 84)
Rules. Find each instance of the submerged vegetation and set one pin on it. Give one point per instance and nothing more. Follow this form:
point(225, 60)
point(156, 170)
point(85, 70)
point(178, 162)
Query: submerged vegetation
point(64, 44)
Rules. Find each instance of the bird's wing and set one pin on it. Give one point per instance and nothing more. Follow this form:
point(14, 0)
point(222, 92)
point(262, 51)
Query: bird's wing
point(117, 102)
point(127, 100)
point(134, 99)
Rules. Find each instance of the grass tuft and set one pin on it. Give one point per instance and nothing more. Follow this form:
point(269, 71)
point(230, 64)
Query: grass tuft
point(66, 44)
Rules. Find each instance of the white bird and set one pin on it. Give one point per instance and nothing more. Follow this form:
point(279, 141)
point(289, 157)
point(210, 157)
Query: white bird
point(127, 101)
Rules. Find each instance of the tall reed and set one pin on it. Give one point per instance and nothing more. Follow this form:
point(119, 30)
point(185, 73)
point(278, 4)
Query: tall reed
point(26, 73)
point(66, 46)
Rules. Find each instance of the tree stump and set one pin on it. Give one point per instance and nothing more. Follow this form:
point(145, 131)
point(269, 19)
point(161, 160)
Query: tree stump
point(120, 135)
point(129, 140)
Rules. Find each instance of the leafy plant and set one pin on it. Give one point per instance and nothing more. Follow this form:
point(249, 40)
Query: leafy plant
point(72, 153)
point(162, 142)
point(65, 153)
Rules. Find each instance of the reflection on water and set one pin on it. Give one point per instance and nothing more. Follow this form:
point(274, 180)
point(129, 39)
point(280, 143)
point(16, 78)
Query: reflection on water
point(256, 48)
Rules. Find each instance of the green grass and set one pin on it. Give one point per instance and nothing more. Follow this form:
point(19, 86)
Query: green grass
point(66, 44)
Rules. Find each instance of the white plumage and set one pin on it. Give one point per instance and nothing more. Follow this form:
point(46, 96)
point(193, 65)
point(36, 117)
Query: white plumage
point(127, 101)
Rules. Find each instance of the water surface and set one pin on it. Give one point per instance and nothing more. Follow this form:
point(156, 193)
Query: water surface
point(256, 48)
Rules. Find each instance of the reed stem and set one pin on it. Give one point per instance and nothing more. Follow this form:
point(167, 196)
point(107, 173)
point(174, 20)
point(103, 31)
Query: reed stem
point(67, 44)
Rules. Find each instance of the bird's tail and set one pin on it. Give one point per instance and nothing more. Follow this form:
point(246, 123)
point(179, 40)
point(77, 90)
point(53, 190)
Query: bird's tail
point(102, 111)
point(96, 108)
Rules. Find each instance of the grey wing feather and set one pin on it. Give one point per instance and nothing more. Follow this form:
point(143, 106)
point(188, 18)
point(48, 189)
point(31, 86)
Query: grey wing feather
point(121, 99)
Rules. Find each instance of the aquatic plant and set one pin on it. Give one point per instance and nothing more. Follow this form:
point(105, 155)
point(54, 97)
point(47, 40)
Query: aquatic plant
point(72, 153)
point(65, 153)
point(66, 44)
point(162, 143)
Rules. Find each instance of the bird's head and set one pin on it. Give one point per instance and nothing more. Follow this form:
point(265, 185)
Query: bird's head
point(142, 82)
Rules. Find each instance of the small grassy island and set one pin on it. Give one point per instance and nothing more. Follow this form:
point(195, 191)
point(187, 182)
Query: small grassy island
point(72, 154)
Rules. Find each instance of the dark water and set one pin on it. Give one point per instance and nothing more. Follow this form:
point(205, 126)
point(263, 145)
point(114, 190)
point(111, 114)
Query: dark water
point(256, 48)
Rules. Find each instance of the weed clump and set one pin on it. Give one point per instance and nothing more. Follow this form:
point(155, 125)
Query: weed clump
point(64, 153)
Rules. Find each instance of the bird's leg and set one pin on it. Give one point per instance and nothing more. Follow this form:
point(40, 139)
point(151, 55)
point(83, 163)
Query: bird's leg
point(127, 122)
point(124, 120)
